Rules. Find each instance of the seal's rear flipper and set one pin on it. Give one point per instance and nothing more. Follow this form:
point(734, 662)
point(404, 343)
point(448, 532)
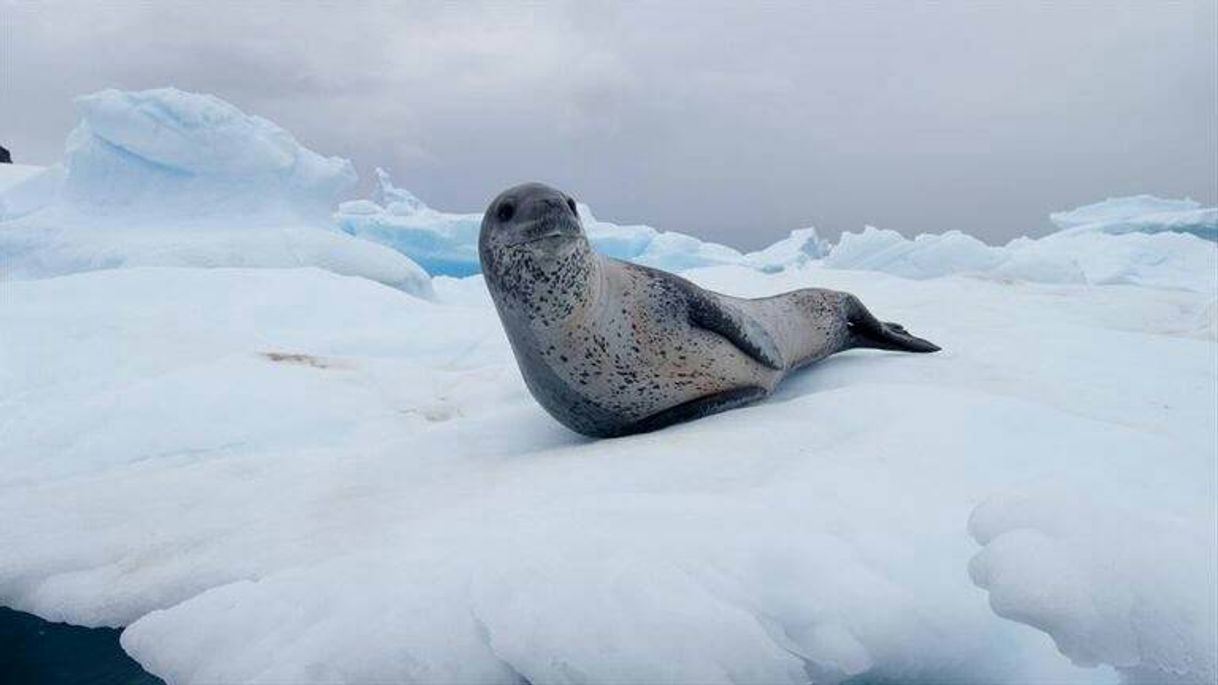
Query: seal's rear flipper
point(869, 332)
point(890, 336)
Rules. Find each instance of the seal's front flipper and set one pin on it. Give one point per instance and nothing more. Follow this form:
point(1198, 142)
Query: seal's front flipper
point(717, 316)
point(868, 331)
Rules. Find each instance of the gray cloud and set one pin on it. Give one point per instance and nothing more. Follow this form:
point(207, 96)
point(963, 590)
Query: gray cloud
point(733, 121)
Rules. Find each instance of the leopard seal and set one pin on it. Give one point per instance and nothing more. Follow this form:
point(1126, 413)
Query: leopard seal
point(611, 348)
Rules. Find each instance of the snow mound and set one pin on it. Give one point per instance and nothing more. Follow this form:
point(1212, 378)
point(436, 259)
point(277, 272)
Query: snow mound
point(446, 244)
point(168, 178)
point(325, 481)
point(1111, 585)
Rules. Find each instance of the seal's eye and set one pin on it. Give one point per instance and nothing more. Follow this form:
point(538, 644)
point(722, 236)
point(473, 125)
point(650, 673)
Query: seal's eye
point(571, 204)
point(505, 211)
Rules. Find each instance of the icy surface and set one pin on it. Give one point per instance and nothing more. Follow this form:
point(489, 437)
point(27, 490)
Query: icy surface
point(292, 476)
point(168, 178)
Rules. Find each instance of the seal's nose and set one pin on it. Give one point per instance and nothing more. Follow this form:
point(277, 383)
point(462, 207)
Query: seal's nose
point(549, 206)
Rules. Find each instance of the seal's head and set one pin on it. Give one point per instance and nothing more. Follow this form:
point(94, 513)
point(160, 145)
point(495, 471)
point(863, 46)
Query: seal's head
point(535, 258)
point(532, 219)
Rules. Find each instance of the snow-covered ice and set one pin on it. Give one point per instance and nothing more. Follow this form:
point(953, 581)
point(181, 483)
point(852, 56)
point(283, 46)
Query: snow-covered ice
point(303, 475)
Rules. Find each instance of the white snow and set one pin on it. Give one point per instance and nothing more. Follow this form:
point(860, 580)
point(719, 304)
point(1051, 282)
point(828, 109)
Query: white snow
point(167, 178)
point(294, 475)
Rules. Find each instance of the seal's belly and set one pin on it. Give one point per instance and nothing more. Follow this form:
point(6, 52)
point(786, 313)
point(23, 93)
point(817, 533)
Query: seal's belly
point(637, 366)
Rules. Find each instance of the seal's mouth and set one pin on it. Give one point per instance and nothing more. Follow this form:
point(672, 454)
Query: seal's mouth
point(537, 239)
point(544, 230)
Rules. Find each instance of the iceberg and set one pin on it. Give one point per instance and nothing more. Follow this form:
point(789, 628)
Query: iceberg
point(168, 178)
point(803, 247)
point(927, 256)
point(442, 243)
point(167, 151)
point(446, 244)
point(1161, 257)
point(1141, 214)
point(1141, 240)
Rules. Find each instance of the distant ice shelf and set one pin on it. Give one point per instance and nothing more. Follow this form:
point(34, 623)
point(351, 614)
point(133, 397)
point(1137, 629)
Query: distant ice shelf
point(1139, 240)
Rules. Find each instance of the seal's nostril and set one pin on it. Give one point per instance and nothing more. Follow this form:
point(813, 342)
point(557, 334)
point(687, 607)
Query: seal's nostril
point(571, 204)
point(506, 211)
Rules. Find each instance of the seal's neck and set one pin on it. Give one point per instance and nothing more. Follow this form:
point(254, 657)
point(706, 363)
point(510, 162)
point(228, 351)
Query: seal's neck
point(547, 287)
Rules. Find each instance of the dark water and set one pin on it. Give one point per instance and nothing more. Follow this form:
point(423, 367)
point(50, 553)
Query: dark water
point(35, 651)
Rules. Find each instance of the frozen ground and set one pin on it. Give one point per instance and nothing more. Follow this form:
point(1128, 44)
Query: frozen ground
point(293, 475)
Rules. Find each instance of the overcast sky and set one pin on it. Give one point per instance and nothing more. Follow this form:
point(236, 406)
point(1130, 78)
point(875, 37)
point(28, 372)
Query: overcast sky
point(732, 121)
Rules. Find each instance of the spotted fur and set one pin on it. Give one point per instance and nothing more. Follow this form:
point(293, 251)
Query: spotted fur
point(611, 348)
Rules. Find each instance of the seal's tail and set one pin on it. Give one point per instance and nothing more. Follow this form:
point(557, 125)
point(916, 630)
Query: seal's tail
point(869, 332)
